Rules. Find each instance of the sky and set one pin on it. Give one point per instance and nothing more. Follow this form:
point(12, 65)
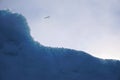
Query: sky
point(89, 25)
point(26, 59)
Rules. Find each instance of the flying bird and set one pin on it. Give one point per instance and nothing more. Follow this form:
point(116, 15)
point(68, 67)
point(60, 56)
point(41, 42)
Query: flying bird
point(46, 17)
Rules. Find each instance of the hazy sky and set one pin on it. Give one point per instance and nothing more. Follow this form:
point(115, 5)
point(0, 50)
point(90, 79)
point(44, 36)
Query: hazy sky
point(88, 25)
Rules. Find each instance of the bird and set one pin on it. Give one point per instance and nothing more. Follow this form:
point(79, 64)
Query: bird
point(46, 17)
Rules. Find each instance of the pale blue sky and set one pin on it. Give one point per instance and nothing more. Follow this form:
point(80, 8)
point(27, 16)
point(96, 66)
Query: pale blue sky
point(89, 25)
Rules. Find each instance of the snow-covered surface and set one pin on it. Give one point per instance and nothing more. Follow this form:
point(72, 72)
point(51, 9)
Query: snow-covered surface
point(22, 58)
